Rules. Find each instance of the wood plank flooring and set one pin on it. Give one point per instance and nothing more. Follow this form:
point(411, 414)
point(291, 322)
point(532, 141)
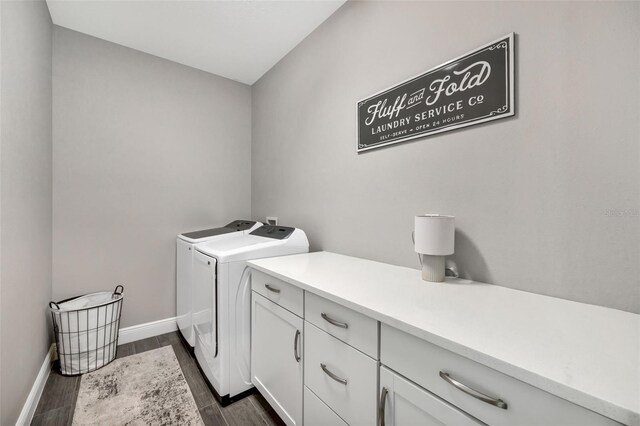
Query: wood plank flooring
point(59, 397)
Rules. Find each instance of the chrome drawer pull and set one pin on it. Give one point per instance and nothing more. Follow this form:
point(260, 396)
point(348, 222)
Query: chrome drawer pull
point(472, 392)
point(333, 376)
point(334, 322)
point(295, 346)
point(273, 289)
point(383, 404)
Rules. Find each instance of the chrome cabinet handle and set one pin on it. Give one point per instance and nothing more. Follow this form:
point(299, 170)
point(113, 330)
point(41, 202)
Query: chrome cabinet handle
point(273, 289)
point(295, 346)
point(333, 376)
point(383, 404)
point(330, 320)
point(472, 392)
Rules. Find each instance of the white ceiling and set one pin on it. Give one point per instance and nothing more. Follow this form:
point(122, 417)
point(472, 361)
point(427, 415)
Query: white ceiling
point(237, 39)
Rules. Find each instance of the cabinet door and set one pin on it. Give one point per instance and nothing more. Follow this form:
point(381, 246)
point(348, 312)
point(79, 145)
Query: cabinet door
point(276, 357)
point(184, 289)
point(402, 403)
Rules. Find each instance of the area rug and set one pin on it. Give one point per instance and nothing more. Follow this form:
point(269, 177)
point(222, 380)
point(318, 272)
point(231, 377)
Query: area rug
point(143, 389)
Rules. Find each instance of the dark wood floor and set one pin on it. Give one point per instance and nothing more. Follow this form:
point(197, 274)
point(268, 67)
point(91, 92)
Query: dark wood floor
point(58, 399)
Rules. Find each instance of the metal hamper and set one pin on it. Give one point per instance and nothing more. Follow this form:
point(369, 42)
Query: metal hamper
point(87, 338)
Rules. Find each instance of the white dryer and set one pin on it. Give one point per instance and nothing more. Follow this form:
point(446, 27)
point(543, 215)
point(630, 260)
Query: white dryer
point(222, 303)
point(184, 267)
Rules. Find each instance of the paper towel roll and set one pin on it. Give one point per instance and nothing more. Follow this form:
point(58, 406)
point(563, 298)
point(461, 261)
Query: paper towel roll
point(434, 234)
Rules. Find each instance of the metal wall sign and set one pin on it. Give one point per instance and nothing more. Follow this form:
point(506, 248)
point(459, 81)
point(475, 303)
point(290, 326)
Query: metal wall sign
point(474, 88)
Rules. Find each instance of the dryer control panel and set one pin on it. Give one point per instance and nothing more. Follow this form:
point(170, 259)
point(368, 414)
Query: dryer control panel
point(208, 233)
point(240, 225)
point(235, 226)
point(274, 231)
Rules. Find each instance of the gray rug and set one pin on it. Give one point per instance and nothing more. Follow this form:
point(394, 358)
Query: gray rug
point(143, 389)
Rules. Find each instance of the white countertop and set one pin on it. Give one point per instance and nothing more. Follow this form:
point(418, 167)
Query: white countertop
point(586, 354)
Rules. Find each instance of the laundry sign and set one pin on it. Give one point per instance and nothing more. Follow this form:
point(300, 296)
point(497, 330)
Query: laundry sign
point(474, 88)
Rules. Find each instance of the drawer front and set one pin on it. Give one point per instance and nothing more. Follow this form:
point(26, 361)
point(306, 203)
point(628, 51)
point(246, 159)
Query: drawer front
point(423, 363)
point(354, 401)
point(317, 413)
point(360, 331)
point(284, 294)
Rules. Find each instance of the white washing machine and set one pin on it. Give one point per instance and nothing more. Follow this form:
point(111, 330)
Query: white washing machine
point(184, 267)
point(222, 303)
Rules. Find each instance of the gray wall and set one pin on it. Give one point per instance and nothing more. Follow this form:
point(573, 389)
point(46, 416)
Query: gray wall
point(545, 202)
point(25, 198)
point(143, 149)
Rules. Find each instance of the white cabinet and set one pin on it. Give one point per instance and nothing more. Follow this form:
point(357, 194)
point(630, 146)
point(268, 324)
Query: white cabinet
point(402, 403)
point(459, 367)
point(340, 378)
point(486, 394)
point(276, 357)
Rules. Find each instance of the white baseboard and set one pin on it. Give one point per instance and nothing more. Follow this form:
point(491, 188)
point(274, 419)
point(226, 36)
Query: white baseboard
point(30, 405)
point(150, 329)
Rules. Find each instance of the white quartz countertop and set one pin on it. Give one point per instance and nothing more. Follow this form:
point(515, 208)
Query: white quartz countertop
point(586, 354)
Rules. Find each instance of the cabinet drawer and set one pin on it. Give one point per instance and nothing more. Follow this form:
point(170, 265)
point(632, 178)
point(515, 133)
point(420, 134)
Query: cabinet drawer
point(360, 331)
point(284, 294)
point(351, 393)
point(317, 413)
point(422, 362)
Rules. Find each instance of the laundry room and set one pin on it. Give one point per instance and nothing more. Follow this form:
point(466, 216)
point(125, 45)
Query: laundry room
point(319, 212)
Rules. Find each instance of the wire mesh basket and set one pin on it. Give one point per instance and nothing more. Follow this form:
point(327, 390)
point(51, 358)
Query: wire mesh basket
point(86, 330)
